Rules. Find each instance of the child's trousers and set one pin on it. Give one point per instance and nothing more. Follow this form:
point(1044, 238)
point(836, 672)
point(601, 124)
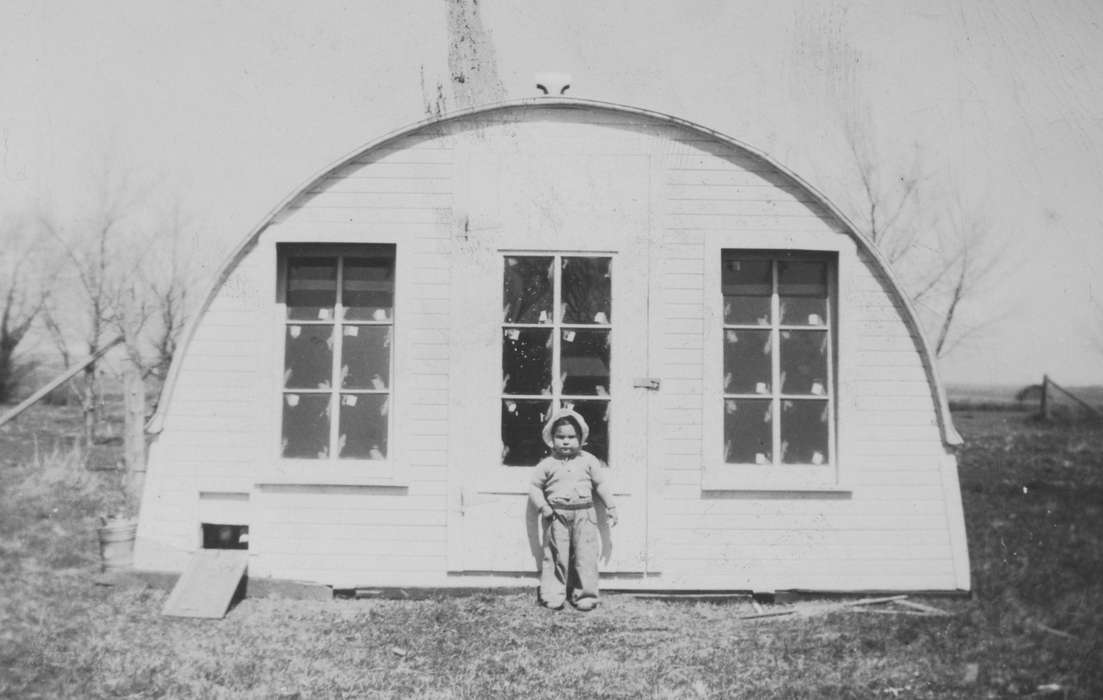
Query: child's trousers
point(571, 548)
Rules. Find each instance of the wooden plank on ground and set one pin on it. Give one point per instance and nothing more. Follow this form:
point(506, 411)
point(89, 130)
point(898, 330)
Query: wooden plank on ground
point(208, 584)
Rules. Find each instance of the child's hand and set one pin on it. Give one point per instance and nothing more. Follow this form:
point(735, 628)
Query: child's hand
point(547, 512)
point(611, 518)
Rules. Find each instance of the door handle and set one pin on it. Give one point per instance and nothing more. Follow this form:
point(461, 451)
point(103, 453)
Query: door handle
point(648, 383)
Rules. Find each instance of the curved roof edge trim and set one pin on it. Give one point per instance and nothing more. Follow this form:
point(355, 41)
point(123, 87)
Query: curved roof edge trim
point(950, 435)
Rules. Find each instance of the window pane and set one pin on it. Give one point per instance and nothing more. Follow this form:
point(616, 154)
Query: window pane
point(528, 290)
point(747, 287)
point(804, 362)
point(366, 357)
point(586, 290)
point(522, 427)
point(596, 414)
point(746, 362)
point(804, 432)
point(802, 287)
point(306, 426)
point(367, 288)
point(308, 356)
point(585, 362)
point(747, 431)
point(311, 288)
point(363, 426)
point(526, 361)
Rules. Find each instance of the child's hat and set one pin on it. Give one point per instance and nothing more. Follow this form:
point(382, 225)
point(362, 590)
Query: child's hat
point(578, 421)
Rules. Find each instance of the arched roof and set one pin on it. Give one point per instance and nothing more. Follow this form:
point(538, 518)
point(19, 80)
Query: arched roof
point(950, 435)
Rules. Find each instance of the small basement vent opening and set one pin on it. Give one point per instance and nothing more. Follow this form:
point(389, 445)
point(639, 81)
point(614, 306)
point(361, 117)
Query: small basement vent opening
point(219, 536)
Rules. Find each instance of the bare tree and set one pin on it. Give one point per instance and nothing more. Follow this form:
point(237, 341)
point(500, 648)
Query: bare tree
point(168, 278)
point(131, 271)
point(98, 260)
point(23, 286)
point(943, 255)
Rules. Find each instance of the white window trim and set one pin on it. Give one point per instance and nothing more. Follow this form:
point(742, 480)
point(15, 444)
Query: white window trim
point(333, 471)
point(716, 474)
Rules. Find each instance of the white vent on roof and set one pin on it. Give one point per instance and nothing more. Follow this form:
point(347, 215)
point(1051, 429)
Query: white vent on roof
point(553, 83)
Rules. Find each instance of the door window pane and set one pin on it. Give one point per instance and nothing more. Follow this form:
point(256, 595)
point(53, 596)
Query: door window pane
point(308, 356)
point(367, 288)
point(366, 357)
point(362, 431)
point(804, 362)
point(522, 431)
point(747, 364)
point(804, 431)
point(596, 414)
point(568, 360)
point(585, 362)
point(311, 288)
point(802, 288)
point(306, 425)
point(527, 361)
point(528, 292)
point(586, 290)
point(747, 287)
point(748, 433)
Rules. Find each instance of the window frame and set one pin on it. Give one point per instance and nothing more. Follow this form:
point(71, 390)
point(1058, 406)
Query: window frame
point(719, 475)
point(334, 470)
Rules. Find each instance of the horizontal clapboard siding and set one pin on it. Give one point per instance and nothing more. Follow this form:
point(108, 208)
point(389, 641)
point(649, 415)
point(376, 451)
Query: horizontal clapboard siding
point(888, 530)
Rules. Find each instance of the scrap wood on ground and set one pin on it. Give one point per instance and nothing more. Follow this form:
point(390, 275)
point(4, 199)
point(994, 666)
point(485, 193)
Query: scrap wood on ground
point(864, 605)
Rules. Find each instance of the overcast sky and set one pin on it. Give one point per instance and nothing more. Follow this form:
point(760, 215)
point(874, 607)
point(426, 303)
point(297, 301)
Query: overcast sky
point(231, 105)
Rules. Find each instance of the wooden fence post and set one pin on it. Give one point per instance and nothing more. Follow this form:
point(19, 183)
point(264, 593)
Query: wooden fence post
point(1044, 402)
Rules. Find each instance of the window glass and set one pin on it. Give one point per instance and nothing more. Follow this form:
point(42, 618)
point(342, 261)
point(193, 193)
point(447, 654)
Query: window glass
point(586, 289)
point(804, 362)
point(522, 431)
point(308, 356)
point(747, 364)
point(747, 287)
point(311, 288)
point(804, 425)
point(365, 357)
point(367, 288)
point(362, 433)
point(338, 341)
point(596, 414)
point(585, 362)
point(306, 425)
point(568, 361)
point(748, 431)
point(528, 292)
point(777, 342)
point(527, 361)
point(802, 287)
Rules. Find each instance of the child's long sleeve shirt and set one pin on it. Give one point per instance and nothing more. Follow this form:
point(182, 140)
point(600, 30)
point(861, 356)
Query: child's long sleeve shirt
point(569, 482)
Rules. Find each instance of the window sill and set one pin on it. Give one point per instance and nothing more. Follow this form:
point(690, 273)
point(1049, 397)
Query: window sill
point(802, 479)
point(350, 473)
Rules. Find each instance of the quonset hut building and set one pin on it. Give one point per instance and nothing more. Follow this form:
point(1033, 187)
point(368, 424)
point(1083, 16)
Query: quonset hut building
point(363, 389)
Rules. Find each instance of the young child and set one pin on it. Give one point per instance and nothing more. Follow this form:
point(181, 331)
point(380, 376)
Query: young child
point(563, 488)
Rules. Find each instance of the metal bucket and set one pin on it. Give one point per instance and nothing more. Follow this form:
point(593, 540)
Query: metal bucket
point(117, 544)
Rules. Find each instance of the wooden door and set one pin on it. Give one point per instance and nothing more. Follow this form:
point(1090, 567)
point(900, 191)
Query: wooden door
point(546, 329)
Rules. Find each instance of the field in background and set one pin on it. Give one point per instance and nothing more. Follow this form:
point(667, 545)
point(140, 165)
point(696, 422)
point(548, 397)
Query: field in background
point(1033, 498)
point(1003, 395)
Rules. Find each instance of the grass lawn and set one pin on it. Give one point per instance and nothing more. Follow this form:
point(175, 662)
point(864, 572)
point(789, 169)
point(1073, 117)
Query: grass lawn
point(1034, 627)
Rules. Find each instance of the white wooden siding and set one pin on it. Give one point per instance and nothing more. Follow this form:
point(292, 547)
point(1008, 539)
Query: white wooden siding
point(892, 529)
